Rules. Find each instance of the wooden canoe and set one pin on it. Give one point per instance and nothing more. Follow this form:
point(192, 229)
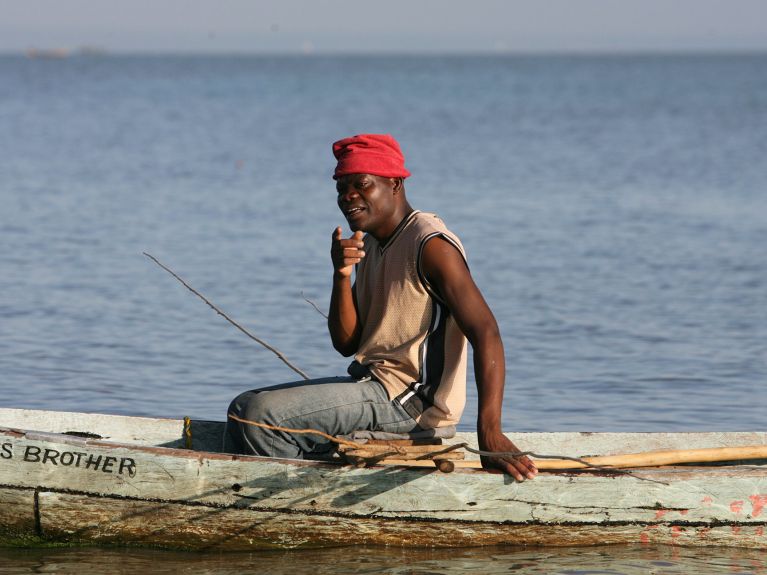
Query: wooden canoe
point(107, 479)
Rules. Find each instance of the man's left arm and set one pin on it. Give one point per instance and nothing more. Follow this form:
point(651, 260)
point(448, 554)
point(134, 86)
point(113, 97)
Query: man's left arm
point(447, 272)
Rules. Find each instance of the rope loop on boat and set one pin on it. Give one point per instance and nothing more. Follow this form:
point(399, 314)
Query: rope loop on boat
point(187, 432)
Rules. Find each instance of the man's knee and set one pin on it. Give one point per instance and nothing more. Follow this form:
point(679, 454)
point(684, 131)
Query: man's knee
point(243, 437)
point(253, 407)
point(261, 407)
point(237, 404)
point(244, 404)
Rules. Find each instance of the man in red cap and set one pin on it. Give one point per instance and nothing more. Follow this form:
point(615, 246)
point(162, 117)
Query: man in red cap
point(405, 319)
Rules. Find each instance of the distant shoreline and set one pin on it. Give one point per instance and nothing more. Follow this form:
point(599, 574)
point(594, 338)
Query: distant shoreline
point(65, 53)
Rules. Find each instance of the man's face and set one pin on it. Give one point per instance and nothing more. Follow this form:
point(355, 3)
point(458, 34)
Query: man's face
point(366, 201)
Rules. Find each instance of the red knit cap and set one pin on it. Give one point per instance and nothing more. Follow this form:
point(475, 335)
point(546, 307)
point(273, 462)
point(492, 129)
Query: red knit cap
point(376, 154)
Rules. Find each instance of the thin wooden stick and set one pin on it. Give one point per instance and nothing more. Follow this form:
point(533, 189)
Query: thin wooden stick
point(426, 450)
point(275, 351)
point(314, 305)
point(410, 456)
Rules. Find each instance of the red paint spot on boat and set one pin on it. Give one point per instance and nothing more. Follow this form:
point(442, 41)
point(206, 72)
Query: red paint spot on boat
point(760, 531)
point(676, 531)
point(707, 501)
point(644, 538)
point(735, 529)
point(758, 501)
point(736, 507)
point(660, 513)
point(683, 511)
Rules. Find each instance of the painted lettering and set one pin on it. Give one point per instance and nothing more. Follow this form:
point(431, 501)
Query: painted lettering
point(32, 453)
point(93, 462)
point(80, 459)
point(108, 462)
point(6, 450)
point(129, 465)
point(51, 455)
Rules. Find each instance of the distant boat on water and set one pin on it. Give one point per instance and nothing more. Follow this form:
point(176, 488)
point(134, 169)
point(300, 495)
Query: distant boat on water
point(61, 53)
point(48, 54)
point(91, 51)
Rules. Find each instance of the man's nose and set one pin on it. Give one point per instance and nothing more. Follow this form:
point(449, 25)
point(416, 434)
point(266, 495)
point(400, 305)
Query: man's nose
point(347, 194)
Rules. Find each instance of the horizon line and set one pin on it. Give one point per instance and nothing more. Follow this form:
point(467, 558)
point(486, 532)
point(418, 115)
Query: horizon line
point(99, 52)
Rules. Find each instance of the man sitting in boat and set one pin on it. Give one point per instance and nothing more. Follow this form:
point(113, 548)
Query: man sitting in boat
point(405, 319)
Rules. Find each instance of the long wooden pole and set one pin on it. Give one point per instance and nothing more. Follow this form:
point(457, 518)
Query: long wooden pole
point(628, 460)
point(665, 457)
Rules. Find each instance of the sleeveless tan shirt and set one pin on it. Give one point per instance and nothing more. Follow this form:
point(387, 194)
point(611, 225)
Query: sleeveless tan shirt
point(410, 342)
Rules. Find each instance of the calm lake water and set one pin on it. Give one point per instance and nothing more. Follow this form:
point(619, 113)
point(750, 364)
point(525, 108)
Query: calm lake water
point(614, 210)
point(362, 560)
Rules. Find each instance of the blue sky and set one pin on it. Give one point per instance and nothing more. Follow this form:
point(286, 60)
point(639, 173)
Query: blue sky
point(345, 26)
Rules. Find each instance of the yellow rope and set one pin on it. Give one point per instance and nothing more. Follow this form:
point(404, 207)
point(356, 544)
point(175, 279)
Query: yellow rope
point(187, 432)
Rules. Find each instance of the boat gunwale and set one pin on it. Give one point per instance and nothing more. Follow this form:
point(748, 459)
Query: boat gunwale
point(667, 471)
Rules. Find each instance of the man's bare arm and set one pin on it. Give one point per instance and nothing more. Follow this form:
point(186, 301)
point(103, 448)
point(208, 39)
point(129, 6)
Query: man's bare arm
point(446, 271)
point(343, 321)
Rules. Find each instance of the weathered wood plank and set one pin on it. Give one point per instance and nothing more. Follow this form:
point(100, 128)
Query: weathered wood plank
point(205, 435)
point(124, 429)
point(78, 518)
point(17, 512)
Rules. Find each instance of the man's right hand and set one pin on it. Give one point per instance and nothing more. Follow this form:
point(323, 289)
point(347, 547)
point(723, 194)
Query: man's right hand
point(520, 468)
point(346, 253)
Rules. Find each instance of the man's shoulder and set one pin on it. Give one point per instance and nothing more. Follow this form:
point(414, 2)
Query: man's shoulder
point(432, 226)
point(430, 222)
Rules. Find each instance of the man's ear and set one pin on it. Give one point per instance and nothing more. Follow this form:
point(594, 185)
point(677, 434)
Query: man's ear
point(397, 185)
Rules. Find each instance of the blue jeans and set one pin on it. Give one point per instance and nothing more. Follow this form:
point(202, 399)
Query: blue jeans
point(334, 405)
